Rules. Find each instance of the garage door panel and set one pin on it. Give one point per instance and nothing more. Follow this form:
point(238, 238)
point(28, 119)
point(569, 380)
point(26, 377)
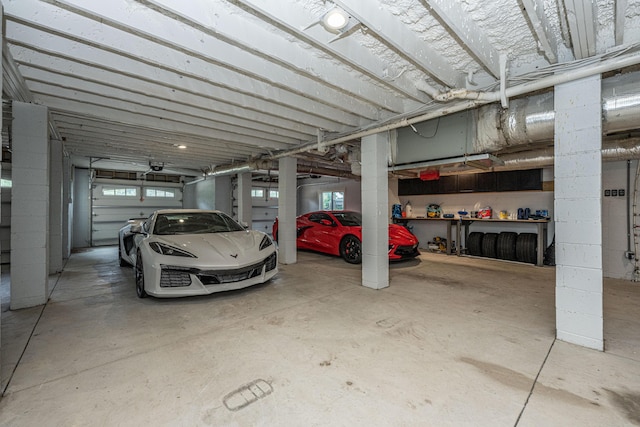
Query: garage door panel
point(115, 203)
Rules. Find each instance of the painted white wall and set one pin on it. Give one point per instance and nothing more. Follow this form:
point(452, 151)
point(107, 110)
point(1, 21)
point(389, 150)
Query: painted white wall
point(210, 193)
point(205, 194)
point(81, 209)
point(311, 189)
point(614, 220)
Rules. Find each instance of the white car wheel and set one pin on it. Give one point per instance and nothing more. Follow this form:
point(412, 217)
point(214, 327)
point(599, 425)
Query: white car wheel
point(140, 277)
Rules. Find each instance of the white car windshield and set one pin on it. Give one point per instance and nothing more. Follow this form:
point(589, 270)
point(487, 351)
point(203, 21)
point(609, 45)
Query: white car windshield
point(194, 223)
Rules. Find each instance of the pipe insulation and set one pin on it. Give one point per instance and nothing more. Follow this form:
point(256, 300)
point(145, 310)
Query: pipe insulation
point(532, 119)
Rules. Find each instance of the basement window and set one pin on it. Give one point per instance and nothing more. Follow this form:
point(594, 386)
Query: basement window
point(332, 201)
point(273, 194)
point(5, 183)
point(164, 193)
point(257, 192)
point(110, 191)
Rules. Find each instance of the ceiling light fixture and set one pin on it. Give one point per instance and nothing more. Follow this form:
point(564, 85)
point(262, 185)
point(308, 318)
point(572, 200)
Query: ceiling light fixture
point(335, 20)
point(182, 146)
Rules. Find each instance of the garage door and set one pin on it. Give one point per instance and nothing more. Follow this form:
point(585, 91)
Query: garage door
point(113, 203)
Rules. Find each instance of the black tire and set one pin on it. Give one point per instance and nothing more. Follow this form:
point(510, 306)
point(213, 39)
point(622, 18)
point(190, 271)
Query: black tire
point(140, 277)
point(351, 249)
point(474, 244)
point(123, 263)
point(527, 248)
point(489, 242)
point(506, 245)
point(550, 253)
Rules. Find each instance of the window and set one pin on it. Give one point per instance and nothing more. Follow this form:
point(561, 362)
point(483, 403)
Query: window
point(332, 201)
point(262, 193)
point(111, 191)
point(166, 193)
point(6, 183)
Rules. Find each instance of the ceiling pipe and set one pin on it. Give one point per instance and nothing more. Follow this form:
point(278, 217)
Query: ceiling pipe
point(470, 101)
point(302, 167)
point(546, 82)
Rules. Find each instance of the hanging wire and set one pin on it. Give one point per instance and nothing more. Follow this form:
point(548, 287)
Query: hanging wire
point(435, 132)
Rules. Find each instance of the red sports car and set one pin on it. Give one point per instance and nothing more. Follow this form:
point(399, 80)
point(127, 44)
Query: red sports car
point(340, 233)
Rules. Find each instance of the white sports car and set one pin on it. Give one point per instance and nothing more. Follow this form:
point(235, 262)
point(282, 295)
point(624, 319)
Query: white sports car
point(183, 252)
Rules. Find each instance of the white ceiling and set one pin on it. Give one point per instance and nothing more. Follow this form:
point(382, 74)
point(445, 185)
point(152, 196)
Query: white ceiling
point(238, 80)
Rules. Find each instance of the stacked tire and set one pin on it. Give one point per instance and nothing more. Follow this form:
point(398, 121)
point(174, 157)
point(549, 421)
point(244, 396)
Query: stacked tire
point(527, 248)
point(506, 245)
point(474, 243)
point(489, 245)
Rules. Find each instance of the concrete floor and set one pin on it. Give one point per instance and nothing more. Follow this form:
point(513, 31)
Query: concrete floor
point(454, 341)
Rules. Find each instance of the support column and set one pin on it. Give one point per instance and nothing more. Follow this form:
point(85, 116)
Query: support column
point(578, 212)
point(222, 197)
point(287, 210)
point(55, 207)
point(67, 207)
point(245, 204)
point(375, 211)
point(29, 206)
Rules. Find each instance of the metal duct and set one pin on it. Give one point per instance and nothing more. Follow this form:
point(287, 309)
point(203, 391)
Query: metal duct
point(302, 167)
point(619, 150)
point(621, 103)
point(532, 119)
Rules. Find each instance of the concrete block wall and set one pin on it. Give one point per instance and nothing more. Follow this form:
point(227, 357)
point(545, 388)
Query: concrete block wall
point(287, 202)
point(5, 218)
point(578, 211)
point(30, 206)
point(375, 208)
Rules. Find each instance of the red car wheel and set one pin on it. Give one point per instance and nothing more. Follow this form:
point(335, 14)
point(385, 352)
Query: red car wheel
point(351, 249)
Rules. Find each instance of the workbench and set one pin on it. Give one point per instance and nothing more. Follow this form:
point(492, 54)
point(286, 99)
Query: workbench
point(464, 223)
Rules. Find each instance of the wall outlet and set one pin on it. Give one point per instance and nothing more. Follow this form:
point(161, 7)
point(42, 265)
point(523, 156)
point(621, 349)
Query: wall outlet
point(621, 192)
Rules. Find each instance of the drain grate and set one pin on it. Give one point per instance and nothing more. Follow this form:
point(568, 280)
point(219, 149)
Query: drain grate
point(247, 394)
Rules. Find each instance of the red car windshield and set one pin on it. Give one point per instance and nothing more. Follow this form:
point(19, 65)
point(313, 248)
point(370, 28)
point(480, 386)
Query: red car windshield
point(349, 219)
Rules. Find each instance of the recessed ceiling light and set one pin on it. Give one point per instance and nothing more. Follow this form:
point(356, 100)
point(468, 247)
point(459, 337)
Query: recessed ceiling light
point(335, 20)
point(182, 146)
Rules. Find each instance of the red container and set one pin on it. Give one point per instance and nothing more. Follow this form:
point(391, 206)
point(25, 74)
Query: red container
point(485, 213)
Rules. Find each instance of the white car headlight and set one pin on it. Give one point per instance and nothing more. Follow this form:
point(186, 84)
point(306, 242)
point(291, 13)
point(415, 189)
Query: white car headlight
point(266, 242)
point(164, 249)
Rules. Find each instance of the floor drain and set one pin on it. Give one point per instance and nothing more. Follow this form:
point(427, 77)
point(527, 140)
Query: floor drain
point(247, 394)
